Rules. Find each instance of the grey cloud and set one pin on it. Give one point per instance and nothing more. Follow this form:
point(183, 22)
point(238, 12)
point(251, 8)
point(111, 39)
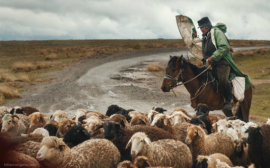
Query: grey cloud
point(123, 19)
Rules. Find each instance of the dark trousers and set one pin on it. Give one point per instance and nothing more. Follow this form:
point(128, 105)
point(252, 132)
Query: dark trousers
point(223, 72)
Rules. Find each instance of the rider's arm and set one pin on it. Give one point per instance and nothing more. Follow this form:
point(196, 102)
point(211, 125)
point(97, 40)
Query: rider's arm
point(223, 46)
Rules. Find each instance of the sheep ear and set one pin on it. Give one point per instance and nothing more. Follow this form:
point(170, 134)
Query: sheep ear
point(260, 131)
point(218, 161)
point(100, 126)
point(147, 140)
point(128, 144)
point(62, 147)
point(214, 124)
point(142, 121)
point(200, 133)
point(51, 117)
point(165, 121)
point(122, 123)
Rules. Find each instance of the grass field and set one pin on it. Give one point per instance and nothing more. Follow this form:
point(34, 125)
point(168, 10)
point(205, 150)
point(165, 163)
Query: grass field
point(256, 64)
point(23, 63)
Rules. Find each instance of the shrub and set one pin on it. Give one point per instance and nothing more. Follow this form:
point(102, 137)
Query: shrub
point(20, 66)
point(155, 67)
point(7, 92)
point(51, 56)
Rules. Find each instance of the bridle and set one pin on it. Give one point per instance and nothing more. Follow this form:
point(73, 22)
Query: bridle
point(175, 79)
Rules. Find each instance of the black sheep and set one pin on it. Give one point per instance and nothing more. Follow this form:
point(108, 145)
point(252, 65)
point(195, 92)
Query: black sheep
point(120, 136)
point(52, 129)
point(23, 110)
point(259, 145)
point(159, 109)
point(114, 109)
point(76, 135)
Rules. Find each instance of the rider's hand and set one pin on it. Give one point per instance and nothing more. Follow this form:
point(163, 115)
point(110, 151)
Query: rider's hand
point(210, 60)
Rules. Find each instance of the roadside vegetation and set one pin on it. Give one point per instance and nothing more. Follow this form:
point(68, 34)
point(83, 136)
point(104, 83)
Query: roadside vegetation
point(24, 63)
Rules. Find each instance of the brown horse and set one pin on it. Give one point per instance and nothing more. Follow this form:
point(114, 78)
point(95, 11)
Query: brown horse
point(181, 70)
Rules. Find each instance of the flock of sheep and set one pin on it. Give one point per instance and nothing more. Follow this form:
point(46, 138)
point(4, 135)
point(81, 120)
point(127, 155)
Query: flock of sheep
point(131, 139)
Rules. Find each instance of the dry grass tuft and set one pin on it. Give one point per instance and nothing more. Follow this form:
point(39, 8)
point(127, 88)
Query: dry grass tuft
point(23, 77)
point(7, 92)
point(7, 77)
point(20, 66)
point(155, 67)
point(43, 65)
point(40, 80)
point(51, 56)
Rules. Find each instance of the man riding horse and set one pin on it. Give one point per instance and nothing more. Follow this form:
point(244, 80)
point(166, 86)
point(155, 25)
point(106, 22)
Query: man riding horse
point(216, 51)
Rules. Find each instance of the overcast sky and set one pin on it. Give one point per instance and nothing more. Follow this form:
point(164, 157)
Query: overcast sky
point(126, 19)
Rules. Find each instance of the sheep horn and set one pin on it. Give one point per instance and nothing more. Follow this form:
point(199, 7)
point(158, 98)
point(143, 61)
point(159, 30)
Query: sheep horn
point(15, 116)
point(100, 126)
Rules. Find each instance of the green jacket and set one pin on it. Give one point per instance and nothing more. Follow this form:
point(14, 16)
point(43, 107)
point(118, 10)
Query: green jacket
point(222, 45)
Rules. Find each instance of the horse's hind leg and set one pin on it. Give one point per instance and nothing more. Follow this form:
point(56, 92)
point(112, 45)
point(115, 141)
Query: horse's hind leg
point(245, 105)
point(238, 114)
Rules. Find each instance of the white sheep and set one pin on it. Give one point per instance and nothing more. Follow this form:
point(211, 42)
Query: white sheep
point(14, 124)
point(210, 161)
point(80, 113)
point(150, 115)
point(59, 115)
point(91, 153)
point(220, 164)
point(179, 117)
point(4, 109)
point(91, 125)
point(165, 152)
point(268, 121)
point(238, 127)
point(245, 128)
point(225, 127)
point(41, 131)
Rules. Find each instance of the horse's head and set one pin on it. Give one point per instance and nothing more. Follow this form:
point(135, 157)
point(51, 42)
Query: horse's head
point(173, 73)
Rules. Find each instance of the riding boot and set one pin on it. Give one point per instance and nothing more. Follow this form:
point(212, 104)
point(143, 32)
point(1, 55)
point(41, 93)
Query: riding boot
point(227, 106)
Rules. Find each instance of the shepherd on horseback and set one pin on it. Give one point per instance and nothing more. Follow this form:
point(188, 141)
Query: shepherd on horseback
point(216, 51)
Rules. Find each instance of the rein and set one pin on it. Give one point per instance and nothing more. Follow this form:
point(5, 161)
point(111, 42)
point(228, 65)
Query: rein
point(175, 80)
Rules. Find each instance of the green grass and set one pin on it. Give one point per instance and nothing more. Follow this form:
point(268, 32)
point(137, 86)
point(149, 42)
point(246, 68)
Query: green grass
point(256, 64)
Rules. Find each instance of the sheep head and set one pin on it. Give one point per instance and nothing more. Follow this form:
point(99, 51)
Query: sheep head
point(142, 161)
point(193, 132)
point(160, 120)
point(253, 134)
point(92, 124)
point(138, 120)
point(138, 142)
point(8, 122)
point(36, 118)
point(239, 145)
point(202, 109)
point(64, 125)
point(111, 129)
point(51, 148)
point(222, 125)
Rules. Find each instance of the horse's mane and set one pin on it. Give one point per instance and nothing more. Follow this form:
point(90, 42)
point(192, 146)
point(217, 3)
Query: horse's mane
point(187, 63)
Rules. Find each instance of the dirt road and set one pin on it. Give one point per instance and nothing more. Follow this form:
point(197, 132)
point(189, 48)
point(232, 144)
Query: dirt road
point(96, 83)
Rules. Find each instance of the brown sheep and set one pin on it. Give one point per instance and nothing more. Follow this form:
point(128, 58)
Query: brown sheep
point(95, 113)
point(120, 119)
point(202, 144)
point(139, 120)
point(241, 153)
point(64, 125)
point(179, 130)
point(37, 120)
